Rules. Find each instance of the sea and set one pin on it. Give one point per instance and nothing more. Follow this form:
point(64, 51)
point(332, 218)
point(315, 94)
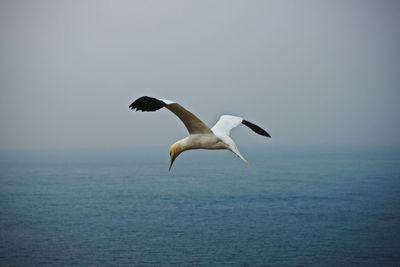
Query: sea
point(122, 207)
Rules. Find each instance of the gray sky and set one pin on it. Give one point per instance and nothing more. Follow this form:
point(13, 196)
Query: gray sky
point(309, 72)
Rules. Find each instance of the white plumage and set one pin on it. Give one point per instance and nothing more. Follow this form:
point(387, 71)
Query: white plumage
point(200, 136)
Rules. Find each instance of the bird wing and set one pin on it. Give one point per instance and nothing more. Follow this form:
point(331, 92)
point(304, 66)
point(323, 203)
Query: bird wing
point(193, 124)
point(227, 122)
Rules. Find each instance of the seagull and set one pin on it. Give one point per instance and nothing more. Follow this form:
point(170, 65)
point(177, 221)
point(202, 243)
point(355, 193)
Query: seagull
point(200, 136)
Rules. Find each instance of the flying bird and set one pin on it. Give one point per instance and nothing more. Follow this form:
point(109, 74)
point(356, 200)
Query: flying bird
point(200, 136)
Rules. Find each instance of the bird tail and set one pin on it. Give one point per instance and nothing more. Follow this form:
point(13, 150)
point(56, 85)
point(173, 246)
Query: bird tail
point(237, 153)
point(242, 158)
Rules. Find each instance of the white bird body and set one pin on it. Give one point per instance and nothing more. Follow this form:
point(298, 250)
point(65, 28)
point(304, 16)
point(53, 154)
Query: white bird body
point(200, 136)
point(202, 141)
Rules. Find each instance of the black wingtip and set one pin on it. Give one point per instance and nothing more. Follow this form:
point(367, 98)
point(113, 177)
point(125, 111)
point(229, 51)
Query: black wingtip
point(256, 129)
point(146, 103)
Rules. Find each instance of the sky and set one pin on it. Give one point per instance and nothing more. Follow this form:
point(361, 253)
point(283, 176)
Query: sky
point(309, 72)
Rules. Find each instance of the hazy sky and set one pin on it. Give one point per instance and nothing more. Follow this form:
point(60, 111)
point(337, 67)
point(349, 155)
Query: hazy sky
point(309, 72)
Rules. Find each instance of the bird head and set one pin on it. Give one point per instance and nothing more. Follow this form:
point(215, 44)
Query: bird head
point(174, 152)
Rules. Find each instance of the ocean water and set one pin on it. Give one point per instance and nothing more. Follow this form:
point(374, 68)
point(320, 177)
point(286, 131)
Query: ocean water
point(288, 207)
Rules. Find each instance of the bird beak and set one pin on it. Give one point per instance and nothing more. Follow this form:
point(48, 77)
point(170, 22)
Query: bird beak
point(172, 162)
